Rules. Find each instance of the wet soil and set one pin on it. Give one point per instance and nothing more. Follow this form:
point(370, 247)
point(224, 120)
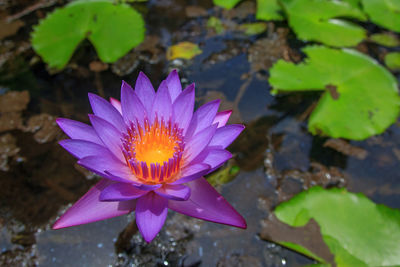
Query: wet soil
point(276, 155)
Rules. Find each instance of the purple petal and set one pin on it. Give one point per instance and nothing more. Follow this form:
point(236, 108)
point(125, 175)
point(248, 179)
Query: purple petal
point(90, 209)
point(162, 105)
point(183, 107)
point(197, 143)
point(103, 109)
point(202, 118)
point(121, 192)
point(110, 136)
point(214, 157)
point(192, 172)
point(80, 148)
point(175, 192)
point(100, 165)
point(207, 204)
point(224, 136)
point(116, 104)
point(78, 130)
point(174, 85)
point(132, 107)
point(222, 118)
point(145, 91)
point(151, 212)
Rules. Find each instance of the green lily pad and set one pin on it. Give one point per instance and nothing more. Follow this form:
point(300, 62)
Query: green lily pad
point(113, 29)
point(253, 28)
point(228, 4)
point(392, 61)
point(269, 10)
point(384, 12)
point(354, 3)
point(360, 97)
point(322, 21)
point(385, 39)
point(357, 231)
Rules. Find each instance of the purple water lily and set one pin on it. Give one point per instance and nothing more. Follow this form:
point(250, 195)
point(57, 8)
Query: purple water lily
point(153, 151)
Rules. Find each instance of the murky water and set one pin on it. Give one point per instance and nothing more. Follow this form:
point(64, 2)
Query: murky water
point(277, 156)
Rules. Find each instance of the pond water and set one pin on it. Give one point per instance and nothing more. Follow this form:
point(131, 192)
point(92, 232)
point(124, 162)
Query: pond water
point(276, 155)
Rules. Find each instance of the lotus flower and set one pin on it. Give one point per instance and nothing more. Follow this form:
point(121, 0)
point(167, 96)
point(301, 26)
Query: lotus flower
point(152, 151)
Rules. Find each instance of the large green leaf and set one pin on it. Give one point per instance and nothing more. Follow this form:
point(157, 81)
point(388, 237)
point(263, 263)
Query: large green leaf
point(269, 10)
point(113, 29)
point(357, 231)
point(360, 99)
point(228, 4)
point(322, 21)
point(384, 12)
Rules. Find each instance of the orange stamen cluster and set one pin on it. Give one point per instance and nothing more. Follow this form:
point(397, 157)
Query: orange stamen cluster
point(154, 152)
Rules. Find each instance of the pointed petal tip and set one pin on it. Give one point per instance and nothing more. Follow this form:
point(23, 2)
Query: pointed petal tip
point(92, 98)
point(216, 101)
point(191, 86)
point(125, 85)
point(207, 204)
point(91, 95)
point(142, 75)
point(61, 121)
point(151, 212)
point(56, 226)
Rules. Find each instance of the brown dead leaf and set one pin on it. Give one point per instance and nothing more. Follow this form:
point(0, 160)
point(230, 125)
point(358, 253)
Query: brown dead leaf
point(9, 28)
point(44, 127)
point(308, 236)
point(8, 149)
point(242, 11)
point(14, 101)
point(98, 66)
point(11, 105)
point(332, 89)
point(10, 121)
point(195, 11)
point(346, 148)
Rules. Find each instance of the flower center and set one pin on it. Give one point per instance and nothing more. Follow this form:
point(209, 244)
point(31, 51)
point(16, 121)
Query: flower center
point(154, 152)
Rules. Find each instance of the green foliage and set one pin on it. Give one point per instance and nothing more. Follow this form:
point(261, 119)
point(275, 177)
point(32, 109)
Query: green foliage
point(228, 4)
point(269, 10)
point(384, 12)
point(385, 39)
point(113, 29)
point(318, 20)
point(392, 61)
point(360, 97)
point(357, 231)
point(224, 175)
point(253, 28)
point(216, 24)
